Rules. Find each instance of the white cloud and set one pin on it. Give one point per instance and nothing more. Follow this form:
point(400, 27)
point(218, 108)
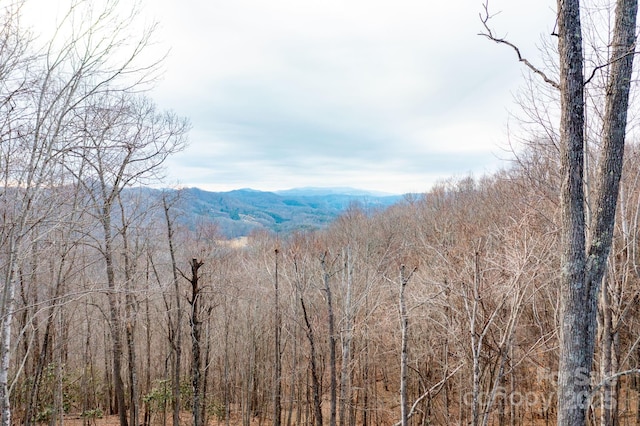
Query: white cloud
point(287, 93)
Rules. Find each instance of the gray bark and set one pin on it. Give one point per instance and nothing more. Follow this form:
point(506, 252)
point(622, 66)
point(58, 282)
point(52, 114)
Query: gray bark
point(345, 392)
point(607, 393)
point(404, 356)
point(582, 269)
point(315, 379)
point(175, 338)
point(333, 369)
point(130, 316)
point(196, 333)
point(277, 388)
point(114, 316)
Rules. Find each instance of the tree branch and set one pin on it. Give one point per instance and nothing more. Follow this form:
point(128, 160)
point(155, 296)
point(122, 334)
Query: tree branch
point(484, 18)
point(611, 62)
point(613, 377)
point(431, 389)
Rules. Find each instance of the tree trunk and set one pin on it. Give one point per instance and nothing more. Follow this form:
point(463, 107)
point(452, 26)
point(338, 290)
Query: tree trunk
point(404, 346)
point(582, 271)
point(277, 379)
point(147, 409)
point(205, 370)
point(196, 332)
point(114, 316)
point(175, 323)
point(315, 380)
point(606, 365)
point(6, 318)
point(345, 393)
point(333, 372)
point(130, 316)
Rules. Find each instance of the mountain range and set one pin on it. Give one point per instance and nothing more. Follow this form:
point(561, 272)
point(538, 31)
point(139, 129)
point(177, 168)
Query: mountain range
point(239, 212)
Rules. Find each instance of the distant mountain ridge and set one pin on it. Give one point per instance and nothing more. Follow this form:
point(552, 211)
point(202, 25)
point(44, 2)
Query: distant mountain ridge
point(239, 212)
point(312, 190)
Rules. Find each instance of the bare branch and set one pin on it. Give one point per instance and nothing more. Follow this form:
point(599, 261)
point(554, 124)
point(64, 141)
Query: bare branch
point(484, 18)
point(605, 65)
point(613, 377)
point(428, 392)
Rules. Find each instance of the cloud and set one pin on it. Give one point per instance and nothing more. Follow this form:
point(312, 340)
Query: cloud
point(383, 95)
point(287, 93)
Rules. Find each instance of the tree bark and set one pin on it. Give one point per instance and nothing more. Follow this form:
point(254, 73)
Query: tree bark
point(315, 380)
point(333, 371)
point(404, 346)
point(114, 317)
point(607, 415)
point(196, 332)
point(175, 336)
point(277, 379)
point(345, 375)
point(582, 270)
point(130, 316)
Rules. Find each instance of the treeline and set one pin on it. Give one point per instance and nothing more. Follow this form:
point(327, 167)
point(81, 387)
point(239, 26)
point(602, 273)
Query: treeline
point(76, 129)
point(309, 325)
point(443, 309)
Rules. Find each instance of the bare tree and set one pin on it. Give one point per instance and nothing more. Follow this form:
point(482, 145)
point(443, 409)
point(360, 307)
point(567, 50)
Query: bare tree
point(86, 58)
point(584, 257)
point(22, 172)
point(333, 372)
point(277, 379)
point(347, 337)
point(583, 269)
point(125, 142)
point(196, 340)
point(175, 320)
point(404, 346)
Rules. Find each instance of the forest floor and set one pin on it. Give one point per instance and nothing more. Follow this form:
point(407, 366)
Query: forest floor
point(185, 419)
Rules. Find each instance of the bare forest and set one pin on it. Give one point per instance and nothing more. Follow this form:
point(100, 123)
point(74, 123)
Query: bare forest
point(457, 306)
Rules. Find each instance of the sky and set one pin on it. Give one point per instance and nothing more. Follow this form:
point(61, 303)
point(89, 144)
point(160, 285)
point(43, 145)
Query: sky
point(389, 96)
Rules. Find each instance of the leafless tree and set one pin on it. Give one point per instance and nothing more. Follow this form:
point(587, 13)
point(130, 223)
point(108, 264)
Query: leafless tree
point(584, 256)
point(405, 277)
point(196, 340)
point(277, 379)
point(175, 315)
point(68, 77)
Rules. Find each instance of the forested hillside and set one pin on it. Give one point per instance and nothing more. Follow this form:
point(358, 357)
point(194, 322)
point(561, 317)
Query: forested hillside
point(448, 307)
point(238, 213)
point(481, 306)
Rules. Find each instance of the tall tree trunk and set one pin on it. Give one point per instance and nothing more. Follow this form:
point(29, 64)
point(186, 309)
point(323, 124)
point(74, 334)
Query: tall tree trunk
point(333, 371)
point(476, 340)
point(175, 322)
point(130, 317)
point(196, 332)
point(573, 374)
point(6, 317)
point(404, 345)
point(404, 356)
point(133, 374)
point(345, 392)
point(60, 352)
point(205, 370)
point(114, 316)
point(315, 379)
point(582, 270)
point(277, 379)
point(606, 365)
point(147, 382)
point(37, 377)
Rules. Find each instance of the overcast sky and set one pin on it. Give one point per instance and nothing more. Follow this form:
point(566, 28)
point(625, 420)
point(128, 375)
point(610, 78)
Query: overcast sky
point(380, 95)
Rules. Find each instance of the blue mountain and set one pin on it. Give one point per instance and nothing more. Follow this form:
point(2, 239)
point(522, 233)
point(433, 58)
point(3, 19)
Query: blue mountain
point(238, 213)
